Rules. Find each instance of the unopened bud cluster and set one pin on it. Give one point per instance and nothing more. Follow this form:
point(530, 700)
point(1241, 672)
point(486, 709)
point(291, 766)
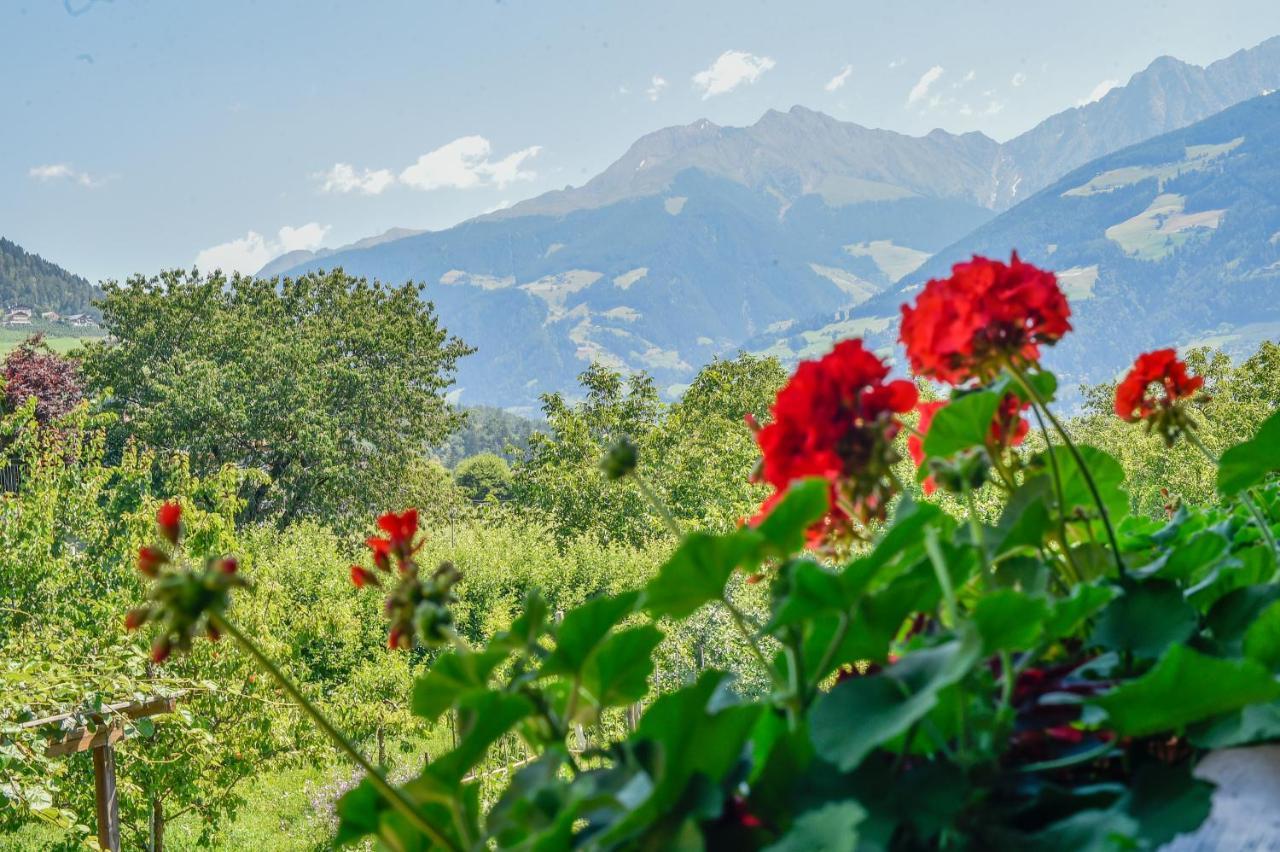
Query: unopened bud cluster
point(182, 597)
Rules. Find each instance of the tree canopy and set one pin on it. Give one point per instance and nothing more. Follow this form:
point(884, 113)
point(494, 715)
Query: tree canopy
point(325, 384)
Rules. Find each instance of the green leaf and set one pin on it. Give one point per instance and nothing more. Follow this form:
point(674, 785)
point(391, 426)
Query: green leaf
point(862, 713)
point(830, 828)
point(1025, 520)
point(453, 676)
point(485, 717)
point(530, 624)
point(961, 424)
point(1262, 639)
point(789, 520)
point(1087, 831)
point(1108, 475)
point(358, 813)
point(806, 589)
point(1068, 614)
point(1190, 561)
point(1252, 724)
point(1245, 465)
point(583, 629)
point(618, 673)
point(1146, 619)
point(903, 539)
point(697, 572)
point(1168, 801)
point(1045, 384)
point(1234, 613)
point(1185, 686)
point(1009, 620)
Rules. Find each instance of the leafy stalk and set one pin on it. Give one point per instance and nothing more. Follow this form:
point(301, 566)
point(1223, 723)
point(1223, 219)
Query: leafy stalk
point(393, 796)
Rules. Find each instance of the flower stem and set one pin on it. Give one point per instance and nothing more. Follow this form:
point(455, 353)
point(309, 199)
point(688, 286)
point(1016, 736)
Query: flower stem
point(651, 498)
point(944, 579)
point(1056, 472)
point(393, 796)
point(1039, 402)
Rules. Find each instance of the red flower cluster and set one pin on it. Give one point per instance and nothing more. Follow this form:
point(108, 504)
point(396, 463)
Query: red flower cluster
point(417, 607)
point(1158, 371)
point(1008, 429)
point(836, 419)
point(169, 521)
point(965, 327)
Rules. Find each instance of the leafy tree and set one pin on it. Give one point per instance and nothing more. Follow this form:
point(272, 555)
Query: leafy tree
point(486, 429)
point(484, 477)
point(325, 384)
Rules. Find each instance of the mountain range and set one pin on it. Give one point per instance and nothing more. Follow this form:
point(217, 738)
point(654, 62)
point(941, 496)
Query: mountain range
point(701, 240)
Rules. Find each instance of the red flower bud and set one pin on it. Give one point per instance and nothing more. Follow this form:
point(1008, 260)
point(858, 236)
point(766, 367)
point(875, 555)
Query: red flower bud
point(381, 549)
point(400, 528)
point(169, 520)
point(149, 561)
point(161, 650)
point(362, 577)
point(399, 638)
point(135, 618)
point(212, 632)
point(228, 565)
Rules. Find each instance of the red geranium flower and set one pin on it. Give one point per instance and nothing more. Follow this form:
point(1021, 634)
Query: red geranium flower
point(966, 327)
point(1154, 390)
point(169, 520)
point(381, 548)
point(836, 419)
point(400, 528)
point(149, 561)
point(362, 577)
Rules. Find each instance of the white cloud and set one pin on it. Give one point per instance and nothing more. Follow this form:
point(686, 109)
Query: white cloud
point(1098, 91)
point(253, 251)
point(1018, 79)
point(994, 108)
point(62, 171)
point(921, 88)
point(838, 81)
point(344, 178)
point(730, 70)
point(965, 109)
point(465, 163)
point(896, 63)
point(657, 84)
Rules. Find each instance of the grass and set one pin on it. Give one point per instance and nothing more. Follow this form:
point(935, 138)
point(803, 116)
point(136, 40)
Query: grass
point(60, 338)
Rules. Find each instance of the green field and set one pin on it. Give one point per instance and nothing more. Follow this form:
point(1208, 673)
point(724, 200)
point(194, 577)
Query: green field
point(59, 338)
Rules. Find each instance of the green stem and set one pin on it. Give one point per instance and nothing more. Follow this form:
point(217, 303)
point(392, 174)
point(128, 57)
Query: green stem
point(1039, 403)
point(658, 506)
point(393, 796)
point(1056, 473)
point(944, 579)
point(979, 540)
point(837, 638)
point(740, 621)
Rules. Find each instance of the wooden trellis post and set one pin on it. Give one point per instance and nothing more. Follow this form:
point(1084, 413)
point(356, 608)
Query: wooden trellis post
point(108, 730)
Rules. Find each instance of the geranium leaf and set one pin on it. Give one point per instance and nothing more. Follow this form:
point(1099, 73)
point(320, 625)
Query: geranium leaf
point(787, 523)
point(618, 672)
point(830, 828)
point(961, 424)
point(1108, 475)
point(1009, 620)
point(697, 572)
point(1185, 686)
point(1262, 639)
point(1025, 519)
point(1069, 613)
point(1232, 614)
point(583, 629)
point(1146, 619)
point(452, 676)
point(862, 713)
point(1168, 801)
point(1247, 464)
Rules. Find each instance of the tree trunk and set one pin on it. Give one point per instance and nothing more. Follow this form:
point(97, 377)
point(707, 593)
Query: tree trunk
point(157, 824)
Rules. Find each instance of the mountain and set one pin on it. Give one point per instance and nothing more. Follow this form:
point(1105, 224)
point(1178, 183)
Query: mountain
point(1165, 96)
point(702, 237)
point(30, 280)
point(1173, 241)
point(289, 260)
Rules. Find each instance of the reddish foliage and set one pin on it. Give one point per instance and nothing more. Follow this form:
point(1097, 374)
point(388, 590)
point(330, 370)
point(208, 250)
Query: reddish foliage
point(33, 370)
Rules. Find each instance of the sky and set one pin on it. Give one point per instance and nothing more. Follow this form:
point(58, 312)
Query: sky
point(138, 135)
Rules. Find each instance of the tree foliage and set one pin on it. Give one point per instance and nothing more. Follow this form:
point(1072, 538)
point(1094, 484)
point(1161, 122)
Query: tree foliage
point(323, 384)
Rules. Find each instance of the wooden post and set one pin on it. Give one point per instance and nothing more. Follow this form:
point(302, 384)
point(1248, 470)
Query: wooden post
point(106, 805)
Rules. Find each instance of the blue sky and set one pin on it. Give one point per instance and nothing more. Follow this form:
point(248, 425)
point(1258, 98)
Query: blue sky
point(143, 134)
